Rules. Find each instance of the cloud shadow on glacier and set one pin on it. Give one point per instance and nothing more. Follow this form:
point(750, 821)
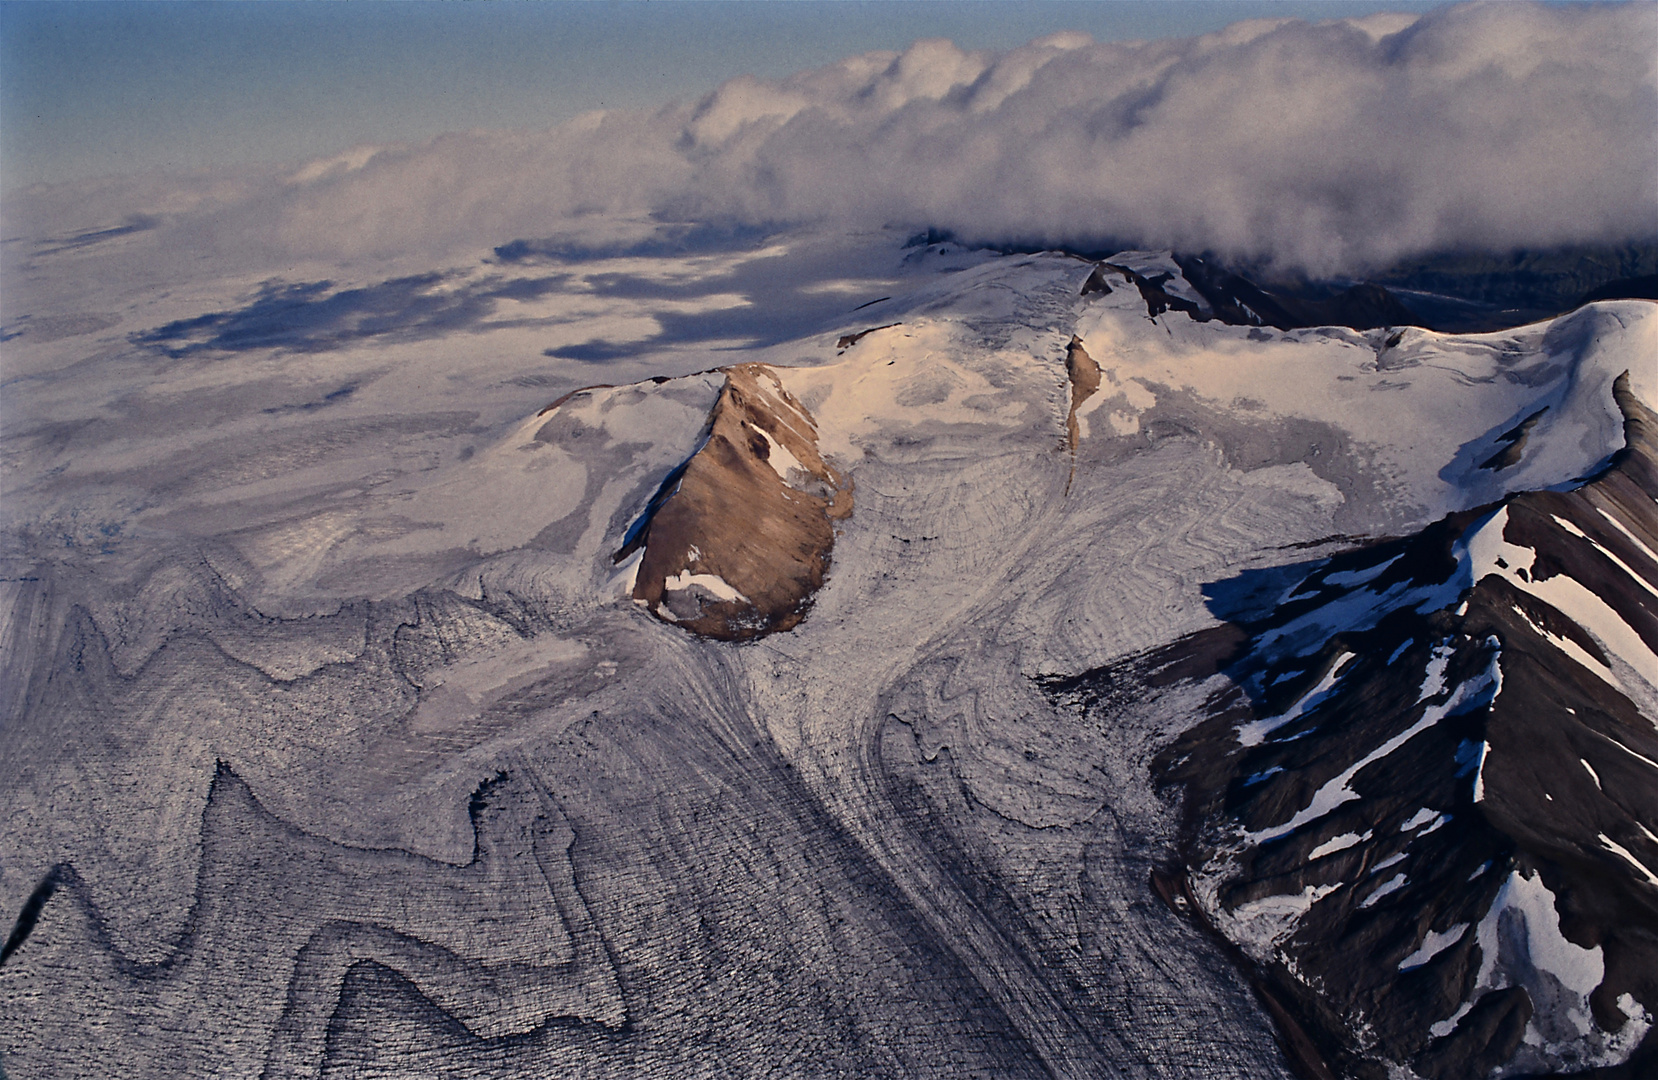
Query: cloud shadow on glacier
point(783, 298)
point(135, 223)
point(668, 239)
point(760, 298)
point(313, 317)
point(594, 351)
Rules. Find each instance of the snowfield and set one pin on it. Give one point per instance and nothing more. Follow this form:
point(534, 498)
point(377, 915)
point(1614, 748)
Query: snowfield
point(339, 747)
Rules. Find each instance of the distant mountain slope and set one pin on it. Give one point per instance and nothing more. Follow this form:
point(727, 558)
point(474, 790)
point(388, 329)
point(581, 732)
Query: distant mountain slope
point(1475, 292)
point(1644, 287)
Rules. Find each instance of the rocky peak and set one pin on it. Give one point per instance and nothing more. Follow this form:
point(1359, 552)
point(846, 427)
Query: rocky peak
point(738, 538)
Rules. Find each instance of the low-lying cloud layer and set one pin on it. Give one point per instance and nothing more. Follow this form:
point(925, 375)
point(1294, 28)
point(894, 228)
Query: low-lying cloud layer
point(1330, 147)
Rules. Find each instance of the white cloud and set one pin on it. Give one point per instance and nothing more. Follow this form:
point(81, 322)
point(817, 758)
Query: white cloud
point(1326, 146)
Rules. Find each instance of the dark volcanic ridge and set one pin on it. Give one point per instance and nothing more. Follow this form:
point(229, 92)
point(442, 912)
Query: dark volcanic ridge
point(1420, 806)
point(1450, 292)
point(1205, 291)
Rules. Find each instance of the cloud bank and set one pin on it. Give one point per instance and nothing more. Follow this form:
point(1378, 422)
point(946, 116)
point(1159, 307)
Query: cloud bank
point(1327, 147)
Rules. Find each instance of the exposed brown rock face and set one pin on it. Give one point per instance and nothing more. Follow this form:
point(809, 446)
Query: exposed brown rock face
point(561, 399)
point(848, 340)
point(738, 541)
point(1084, 374)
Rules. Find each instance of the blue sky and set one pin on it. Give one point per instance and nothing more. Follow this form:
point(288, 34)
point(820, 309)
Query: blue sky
point(96, 88)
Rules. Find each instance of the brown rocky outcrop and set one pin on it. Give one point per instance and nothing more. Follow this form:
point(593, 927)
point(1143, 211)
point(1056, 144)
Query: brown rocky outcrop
point(1084, 374)
point(738, 539)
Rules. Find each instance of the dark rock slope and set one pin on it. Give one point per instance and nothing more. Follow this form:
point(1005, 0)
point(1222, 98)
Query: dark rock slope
point(1238, 301)
point(1235, 300)
point(1423, 805)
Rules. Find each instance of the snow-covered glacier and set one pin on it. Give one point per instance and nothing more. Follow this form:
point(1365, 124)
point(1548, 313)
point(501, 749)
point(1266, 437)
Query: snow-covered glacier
point(819, 656)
